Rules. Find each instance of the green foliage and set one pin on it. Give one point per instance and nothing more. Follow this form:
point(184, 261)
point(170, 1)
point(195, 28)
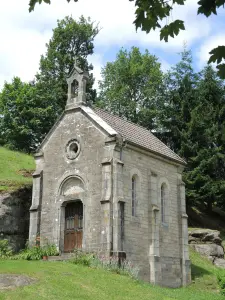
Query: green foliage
point(150, 13)
point(36, 252)
point(5, 249)
point(221, 282)
point(192, 124)
point(32, 3)
point(29, 110)
point(82, 258)
point(217, 55)
point(130, 87)
point(71, 39)
point(204, 142)
point(22, 116)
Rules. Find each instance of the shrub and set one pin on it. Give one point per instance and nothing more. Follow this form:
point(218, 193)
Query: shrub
point(5, 249)
point(37, 252)
point(82, 258)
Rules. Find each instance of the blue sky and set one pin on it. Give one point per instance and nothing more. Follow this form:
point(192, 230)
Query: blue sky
point(24, 34)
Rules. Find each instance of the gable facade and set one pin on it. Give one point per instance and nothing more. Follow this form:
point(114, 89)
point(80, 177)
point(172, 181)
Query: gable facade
point(96, 190)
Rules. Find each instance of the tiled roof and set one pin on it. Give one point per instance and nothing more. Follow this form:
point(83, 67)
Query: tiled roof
point(138, 135)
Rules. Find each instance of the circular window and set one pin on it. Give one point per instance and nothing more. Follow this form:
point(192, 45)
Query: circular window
point(72, 149)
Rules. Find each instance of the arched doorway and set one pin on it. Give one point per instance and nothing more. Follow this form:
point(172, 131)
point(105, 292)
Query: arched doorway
point(73, 232)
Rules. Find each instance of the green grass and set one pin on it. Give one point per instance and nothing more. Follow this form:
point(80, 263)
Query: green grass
point(58, 280)
point(11, 163)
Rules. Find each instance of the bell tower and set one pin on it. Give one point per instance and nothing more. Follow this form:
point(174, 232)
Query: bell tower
point(77, 81)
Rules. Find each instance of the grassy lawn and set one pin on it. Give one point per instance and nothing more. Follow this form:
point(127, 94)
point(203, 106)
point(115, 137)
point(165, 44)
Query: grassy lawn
point(14, 167)
point(63, 280)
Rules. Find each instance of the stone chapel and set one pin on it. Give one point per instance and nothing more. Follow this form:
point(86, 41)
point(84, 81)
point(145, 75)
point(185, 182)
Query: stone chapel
point(105, 184)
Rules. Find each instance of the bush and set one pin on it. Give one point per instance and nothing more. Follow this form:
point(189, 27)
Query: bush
point(5, 249)
point(36, 252)
point(221, 282)
point(82, 258)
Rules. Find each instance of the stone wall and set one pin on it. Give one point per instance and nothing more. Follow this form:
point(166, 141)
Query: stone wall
point(14, 217)
point(156, 247)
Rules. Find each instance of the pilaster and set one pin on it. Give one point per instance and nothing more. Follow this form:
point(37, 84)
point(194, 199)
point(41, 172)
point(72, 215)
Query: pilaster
point(154, 252)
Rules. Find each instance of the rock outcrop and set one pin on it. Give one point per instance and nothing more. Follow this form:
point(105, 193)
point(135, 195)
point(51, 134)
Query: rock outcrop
point(14, 217)
point(208, 243)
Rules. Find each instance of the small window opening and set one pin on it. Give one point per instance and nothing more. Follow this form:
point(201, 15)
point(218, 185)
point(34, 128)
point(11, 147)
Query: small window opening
point(74, 148)
point(163, 202)
point(74, 88)
point(134, 195)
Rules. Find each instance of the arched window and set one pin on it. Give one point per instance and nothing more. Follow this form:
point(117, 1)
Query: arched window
point(163, 202)
point(134, 195)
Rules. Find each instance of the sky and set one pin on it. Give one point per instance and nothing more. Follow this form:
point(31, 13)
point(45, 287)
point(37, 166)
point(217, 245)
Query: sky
point(24, 35)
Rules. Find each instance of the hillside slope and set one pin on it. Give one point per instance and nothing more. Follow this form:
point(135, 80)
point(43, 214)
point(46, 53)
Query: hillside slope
point(63, 280)
point(15, 169)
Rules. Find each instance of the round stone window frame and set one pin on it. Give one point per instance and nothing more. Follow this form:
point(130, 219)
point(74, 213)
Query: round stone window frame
point(70, 147)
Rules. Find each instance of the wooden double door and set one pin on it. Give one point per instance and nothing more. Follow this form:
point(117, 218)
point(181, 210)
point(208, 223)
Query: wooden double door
point(73, 226)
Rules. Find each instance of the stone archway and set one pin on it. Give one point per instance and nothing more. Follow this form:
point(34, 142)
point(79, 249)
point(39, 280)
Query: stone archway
point(71, 214)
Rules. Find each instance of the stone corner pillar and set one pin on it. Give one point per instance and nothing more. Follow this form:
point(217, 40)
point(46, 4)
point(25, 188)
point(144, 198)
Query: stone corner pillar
point(35, 210)
point(185, 260)
point(106, 207)
point(154, 252)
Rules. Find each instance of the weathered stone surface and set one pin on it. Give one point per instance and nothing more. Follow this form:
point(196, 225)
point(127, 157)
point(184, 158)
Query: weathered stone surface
point(219, 262)
point(201, 236)
point(10, 281)
point(14, 217)
point(209, 250)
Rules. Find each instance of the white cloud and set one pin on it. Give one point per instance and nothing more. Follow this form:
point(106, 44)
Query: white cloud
point(96, 61)
point(209, 44)
point(24, 34)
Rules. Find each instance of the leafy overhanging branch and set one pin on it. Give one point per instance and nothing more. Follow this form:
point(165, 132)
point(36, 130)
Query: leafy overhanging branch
point(149, 14)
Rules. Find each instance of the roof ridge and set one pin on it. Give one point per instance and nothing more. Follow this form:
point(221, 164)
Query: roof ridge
point(128, 121)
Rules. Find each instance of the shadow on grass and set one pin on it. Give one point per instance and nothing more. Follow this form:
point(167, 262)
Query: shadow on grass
point(197, 271)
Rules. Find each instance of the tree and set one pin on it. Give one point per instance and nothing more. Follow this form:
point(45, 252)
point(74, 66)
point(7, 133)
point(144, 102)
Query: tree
point(28, 110)
point(150, 14)
point(22, 116)
point(71, 39)
point(178, 101)
point(204, 143)
point(130, 87)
